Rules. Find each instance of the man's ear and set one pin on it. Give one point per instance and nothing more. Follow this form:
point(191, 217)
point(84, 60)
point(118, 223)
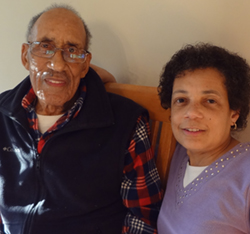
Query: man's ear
point(24, 56)
point(86, 65)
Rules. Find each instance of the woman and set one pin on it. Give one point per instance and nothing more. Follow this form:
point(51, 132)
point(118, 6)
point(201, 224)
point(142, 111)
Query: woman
point(208, 191)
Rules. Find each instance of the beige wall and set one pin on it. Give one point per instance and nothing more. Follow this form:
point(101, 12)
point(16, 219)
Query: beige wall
point(133, 39)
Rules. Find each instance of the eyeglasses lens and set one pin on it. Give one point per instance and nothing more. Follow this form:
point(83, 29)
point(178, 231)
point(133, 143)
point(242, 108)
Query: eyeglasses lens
point(47, 50)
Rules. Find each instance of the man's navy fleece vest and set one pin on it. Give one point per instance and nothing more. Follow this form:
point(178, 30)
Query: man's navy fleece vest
point(76, 186)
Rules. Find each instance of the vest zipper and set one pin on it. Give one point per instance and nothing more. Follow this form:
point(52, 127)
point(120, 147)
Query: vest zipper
point(27, 226)
point(38, 162)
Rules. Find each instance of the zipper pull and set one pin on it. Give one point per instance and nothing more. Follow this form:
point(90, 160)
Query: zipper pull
point(38, 163)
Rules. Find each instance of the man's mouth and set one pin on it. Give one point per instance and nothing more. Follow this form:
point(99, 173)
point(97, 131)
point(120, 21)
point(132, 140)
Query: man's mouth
point(56, 81)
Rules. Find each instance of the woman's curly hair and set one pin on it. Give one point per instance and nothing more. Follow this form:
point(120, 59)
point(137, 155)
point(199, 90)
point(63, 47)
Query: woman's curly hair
point(203, 55)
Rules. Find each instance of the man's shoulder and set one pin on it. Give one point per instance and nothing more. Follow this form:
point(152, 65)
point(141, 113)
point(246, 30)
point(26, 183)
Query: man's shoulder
point(118, 99)
point(14, 96)
point(125, 104)
point(95, 88)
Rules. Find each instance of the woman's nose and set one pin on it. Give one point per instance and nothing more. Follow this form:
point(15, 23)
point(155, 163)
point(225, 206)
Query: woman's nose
point(194, 110)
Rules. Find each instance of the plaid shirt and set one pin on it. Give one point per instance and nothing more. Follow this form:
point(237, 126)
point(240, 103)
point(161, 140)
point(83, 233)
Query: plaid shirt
point(140, 189)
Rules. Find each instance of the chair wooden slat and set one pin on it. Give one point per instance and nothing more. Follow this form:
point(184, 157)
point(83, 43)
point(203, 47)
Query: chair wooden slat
point(155, 127)
point(165, 151)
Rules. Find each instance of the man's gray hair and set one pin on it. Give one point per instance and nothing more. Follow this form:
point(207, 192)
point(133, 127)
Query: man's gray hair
point(64, 6)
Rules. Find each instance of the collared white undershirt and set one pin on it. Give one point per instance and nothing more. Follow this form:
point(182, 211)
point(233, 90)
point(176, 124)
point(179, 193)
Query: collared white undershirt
point(46, 121)
point(191, 173)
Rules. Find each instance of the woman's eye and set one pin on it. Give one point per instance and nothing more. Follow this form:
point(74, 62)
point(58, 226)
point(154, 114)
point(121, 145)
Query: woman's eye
point(180, 100)
point(211, 101)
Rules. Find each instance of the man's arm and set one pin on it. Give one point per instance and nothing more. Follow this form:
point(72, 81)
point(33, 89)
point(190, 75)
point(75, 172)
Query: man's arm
point(140, 191)
point(104, 74)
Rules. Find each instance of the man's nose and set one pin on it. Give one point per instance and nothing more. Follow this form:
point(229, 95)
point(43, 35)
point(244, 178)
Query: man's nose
point(57, 62)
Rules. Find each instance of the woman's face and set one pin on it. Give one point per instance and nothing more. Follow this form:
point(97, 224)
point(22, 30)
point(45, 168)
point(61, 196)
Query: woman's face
point(200, 114)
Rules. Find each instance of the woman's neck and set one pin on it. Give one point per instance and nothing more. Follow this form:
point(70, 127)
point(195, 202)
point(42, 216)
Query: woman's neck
point(200, 158)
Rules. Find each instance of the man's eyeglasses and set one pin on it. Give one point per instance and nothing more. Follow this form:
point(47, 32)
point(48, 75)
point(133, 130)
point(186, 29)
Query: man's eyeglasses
point(47, 50)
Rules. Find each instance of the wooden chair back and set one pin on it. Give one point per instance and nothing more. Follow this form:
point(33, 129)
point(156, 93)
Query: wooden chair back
point(162, 139)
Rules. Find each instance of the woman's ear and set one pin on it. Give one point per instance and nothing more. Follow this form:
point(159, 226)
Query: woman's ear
point(235, 114)
point(24, 56)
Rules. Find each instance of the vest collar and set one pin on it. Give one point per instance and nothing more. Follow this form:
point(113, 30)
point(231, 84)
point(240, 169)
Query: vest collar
point(96, 111)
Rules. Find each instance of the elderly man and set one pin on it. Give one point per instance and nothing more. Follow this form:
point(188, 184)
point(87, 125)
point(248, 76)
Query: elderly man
point(74, 159)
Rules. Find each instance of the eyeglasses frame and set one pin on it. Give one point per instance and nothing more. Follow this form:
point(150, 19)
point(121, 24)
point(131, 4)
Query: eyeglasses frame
point(55, 49)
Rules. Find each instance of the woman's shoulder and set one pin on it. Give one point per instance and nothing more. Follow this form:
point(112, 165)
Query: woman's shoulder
point(240, 155)
point(180, 151)
point(179, 156)
point(240, 148)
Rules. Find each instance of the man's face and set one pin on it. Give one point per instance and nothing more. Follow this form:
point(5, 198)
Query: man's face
point(54, 80)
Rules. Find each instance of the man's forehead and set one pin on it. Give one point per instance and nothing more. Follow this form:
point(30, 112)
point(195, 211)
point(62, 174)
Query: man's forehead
point(59, 24)
point(59, 13)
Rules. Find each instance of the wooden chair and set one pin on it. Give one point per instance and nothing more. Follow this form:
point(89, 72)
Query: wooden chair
point(162, 139)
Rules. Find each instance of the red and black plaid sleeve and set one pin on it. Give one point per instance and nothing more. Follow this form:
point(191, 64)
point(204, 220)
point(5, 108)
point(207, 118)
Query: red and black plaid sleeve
point(141, 191)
